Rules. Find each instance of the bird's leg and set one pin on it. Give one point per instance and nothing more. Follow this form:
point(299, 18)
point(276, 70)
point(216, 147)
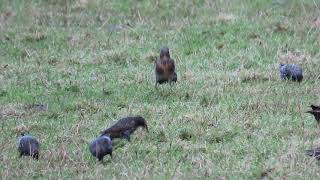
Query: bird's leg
point(36, 157)
point(170, 83)
point(172, 80)
point(128, 138)
point(100, 159)
point(156, 86)
point(126, 135)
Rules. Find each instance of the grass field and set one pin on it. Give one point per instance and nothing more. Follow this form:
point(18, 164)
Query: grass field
point(91, 61)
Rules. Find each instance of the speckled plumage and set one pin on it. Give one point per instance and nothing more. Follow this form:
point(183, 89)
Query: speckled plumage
point(28, 146)
point(125, 127)
point(291, 71)
point(165, 67)
point(100, 147)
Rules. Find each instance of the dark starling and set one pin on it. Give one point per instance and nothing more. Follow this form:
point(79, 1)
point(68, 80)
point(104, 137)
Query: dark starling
point(291, 71)
point(125, 127)
point(314, 153)
point(28, 146)
point(165, 68)
point(101, 146)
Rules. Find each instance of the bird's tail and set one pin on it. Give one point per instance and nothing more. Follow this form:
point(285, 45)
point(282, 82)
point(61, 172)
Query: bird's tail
point(311, 152)
point(314, 107)
point(310, 112)
point(146, 127)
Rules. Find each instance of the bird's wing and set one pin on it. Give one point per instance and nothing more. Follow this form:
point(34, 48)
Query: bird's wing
point(111, 130)
point(159, 67)
point(168, 66)
point(172, 67)
point(122, 125)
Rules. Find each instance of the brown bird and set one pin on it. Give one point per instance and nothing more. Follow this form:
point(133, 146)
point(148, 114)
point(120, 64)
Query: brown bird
point(125, 127)
point(165, 68)
point(314, 153)
point(315, 112)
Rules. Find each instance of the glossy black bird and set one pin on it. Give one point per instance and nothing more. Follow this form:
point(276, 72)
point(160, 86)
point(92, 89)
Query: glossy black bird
point(101, 146)
point(125, 127)
point(291, 71)
point(315, 112)
point(314, 153)
point(165, 68)
point(28, 146)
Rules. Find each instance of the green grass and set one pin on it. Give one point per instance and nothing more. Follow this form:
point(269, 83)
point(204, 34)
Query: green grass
point(229, 116)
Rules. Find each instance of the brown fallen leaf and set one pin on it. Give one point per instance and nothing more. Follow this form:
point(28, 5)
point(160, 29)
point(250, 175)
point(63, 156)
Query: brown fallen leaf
point(280, 28)
point(253, 77)
point(38, 36)
point(26, 129)
point(253, 36)
point(267, 172)
point(220, 46)
point(151, 57)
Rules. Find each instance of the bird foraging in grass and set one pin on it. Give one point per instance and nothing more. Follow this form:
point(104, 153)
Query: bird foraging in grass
point(314, 153)
point(315, 112)
point(291, 71)
point(101, 146)
point(125, 127)
point(165, 68)
point(28, 146)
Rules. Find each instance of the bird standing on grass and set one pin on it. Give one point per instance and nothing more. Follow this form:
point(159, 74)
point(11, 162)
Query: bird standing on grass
point(314, 153)
point(165, 68)
point(291, 71)
point(125, 127)
point(101, 146)
point(28, 146)
point(315, 112)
